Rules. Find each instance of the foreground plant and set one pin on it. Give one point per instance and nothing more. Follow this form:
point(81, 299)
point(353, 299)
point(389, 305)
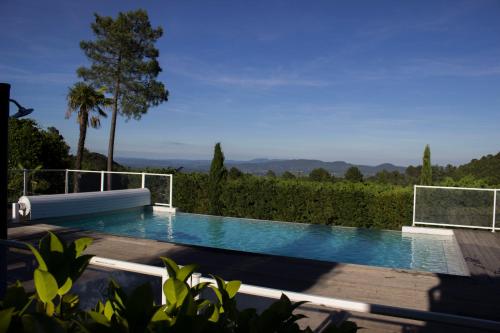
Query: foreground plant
point(188, 308)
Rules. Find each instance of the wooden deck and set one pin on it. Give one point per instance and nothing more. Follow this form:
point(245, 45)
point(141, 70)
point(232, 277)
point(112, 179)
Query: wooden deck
point(476, 296)
point(481, 251)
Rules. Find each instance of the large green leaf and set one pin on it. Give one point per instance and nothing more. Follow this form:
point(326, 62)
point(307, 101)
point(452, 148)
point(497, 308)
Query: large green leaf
point(5, 319)
point(185, 272)
point(49, 308)
point(41, 262)
point(172, 267)
point(215, 315)
point(218, 294)
point(232, 288)
point(108, 310)
point(46, 285)
point(65, 287)
point(175, 291)
point(81, 244)
point(55, 243)
point(99, 318)
point(160, 315)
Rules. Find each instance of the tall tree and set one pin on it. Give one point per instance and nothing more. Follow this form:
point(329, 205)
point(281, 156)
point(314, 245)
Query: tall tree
point(353, 174)
point(88, 103)
point(124, 58)
point(216, 177)
point(426, 175)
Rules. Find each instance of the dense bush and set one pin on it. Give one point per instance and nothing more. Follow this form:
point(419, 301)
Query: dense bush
point(342, 203)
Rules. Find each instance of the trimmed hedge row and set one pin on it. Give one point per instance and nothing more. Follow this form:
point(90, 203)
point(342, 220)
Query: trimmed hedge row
point(345, 204)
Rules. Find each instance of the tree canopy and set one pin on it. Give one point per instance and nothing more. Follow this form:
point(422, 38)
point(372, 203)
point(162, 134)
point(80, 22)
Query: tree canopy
point(288, 175)
point(124, 59)
point(30, 146)
point(353, 174)
point(270, 174)
point(320, 175)
point(88, 103)
point(234, 173)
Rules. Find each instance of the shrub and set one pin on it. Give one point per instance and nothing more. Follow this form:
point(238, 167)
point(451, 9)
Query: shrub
point(53, 309)
point(296, 200)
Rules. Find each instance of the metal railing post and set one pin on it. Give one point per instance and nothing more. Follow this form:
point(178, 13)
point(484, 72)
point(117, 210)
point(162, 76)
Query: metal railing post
point(494, 210)
point(195, 280)
point(102, 181)
point(25, 181)
point(414, 202)
point(170, 194)
point(66, 179)
point(143, 180)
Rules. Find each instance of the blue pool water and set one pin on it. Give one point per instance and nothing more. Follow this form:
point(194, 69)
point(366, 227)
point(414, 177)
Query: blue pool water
point(338, 244)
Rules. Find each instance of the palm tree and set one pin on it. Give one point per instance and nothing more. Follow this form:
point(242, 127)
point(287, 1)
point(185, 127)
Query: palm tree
point(89, 104)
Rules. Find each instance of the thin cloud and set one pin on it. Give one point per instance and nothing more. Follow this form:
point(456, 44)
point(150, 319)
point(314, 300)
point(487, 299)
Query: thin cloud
point(15, 74)
point(204, 73)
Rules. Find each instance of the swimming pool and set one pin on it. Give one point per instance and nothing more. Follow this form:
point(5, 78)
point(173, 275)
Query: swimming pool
point(383, 248)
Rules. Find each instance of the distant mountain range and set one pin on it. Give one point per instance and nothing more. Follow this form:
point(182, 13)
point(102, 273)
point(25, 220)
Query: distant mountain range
point(261, 166)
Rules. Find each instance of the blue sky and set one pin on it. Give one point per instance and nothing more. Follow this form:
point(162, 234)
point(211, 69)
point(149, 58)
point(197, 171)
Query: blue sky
point(361, 81)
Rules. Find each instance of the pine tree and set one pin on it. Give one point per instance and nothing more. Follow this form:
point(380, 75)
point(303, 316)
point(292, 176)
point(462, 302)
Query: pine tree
point(124, 60)
point(426, 175)
point(216, 178)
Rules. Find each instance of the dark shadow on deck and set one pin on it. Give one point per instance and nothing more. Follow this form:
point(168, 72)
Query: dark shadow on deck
point(477, 295)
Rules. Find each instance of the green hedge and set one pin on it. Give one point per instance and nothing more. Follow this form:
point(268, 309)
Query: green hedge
point(346, 204)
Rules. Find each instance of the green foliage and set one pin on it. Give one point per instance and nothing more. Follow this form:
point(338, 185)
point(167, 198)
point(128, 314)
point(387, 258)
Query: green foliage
point(288, 175)
point(51, 308)
point(89, 105)
point(234, 173)
point(353, 174)
point(125, 60)
point(187, 308)
point(216, 179)
point(426, 175)
point(466, 181)
point(270, 174)
point(388, 177)
point(486, 168)
point(31, 146)
point(320, 175)
point(341, 203)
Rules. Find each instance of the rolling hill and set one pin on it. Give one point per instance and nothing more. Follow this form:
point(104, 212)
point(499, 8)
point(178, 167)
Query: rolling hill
point(261, 166)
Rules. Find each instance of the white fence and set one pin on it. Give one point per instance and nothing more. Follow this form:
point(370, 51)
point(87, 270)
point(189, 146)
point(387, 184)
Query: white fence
point(56, 181)
point(329, 302)
point(461, 207)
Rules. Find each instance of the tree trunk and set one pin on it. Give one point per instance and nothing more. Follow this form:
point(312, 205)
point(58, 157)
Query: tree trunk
point(111, 145)
point(79, 151)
